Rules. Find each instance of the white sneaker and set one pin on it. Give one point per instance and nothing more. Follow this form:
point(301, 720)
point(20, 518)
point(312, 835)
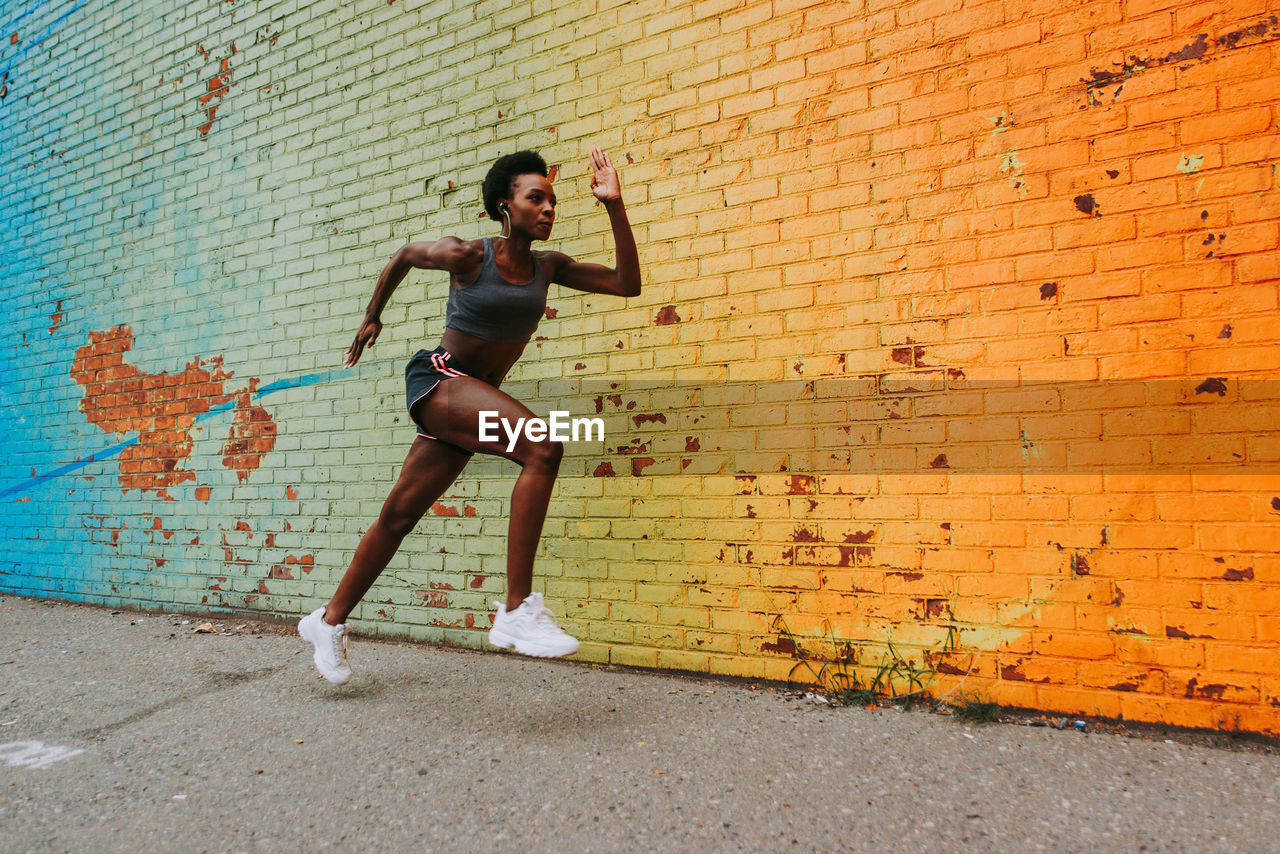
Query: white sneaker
point(330, 643)
point(531, 630)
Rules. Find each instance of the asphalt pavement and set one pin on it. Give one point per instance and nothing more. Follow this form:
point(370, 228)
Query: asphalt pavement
point(133, 732)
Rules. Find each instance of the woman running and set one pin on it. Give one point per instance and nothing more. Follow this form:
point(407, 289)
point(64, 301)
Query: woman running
point(497, 295)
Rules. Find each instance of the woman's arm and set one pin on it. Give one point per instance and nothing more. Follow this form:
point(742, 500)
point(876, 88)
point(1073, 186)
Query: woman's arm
point(623, 281)
point(447, 253)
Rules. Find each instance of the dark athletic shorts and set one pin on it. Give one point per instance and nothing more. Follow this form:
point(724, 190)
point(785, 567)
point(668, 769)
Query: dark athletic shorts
point(426, 370)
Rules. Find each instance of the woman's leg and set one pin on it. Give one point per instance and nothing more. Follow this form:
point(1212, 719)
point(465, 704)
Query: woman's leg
point(452, 412)
point(428, 471)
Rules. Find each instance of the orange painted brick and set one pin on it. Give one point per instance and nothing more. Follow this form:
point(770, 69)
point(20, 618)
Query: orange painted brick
point(1141, 253)
point(1233, 360)
point(1202, 625)
point(1143, 309)
point(1004, 38)
point(1241, 592)
point(1147, 423)
point(959, 23)
point(1157, 651)
point(1255, 149)
point(1259, 268)
point(1095, 231)
point(1220, 16)
point(1114, 507)
point(1145, 708)
point(957, 560)
point(1223, 450)
point(1125, 535)
point(1079, 701)
point(1201, 506)
point(1251, 90)
point(1225, 125)
point(1180, 105)
point(1121, 677)
point(1214, 685)
point(1129, 142)
point(1153, 83)
point(1134, 31)
point(1052, 50)
point(1088, 455)
point(1229, 182)
point(1239, 537)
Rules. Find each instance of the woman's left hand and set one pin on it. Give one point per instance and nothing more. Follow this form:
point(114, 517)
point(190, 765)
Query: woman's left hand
point(604, 178)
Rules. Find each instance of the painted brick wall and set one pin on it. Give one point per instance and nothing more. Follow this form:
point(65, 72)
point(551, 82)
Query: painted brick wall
point(957, 350)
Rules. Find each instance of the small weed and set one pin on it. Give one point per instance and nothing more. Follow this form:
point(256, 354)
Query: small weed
point(855, 697)
point(895, 678)
point(975, 710)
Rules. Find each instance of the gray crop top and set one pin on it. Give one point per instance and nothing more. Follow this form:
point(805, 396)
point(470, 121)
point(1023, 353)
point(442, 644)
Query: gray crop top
point(497, 310)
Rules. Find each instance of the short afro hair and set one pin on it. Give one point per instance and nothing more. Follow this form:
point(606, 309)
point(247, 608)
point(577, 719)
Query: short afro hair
point(497, 184)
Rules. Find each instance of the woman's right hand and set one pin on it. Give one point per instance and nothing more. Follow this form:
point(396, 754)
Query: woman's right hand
point(366, 337)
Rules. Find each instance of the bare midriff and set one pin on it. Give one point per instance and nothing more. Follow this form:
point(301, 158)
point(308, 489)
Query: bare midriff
point(485, 360)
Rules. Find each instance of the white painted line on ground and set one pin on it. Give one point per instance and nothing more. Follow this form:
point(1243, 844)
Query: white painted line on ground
point(34, 754)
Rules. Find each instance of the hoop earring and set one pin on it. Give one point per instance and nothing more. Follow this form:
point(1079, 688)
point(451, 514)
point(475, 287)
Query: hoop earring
point(506, 221)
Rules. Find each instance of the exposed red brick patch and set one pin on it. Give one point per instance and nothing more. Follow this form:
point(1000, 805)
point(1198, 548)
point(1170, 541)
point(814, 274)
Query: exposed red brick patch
point(218, 84)
point(656, 417)
point(163, 408)
point(639, 464)
point(56, 318)
point(253, 435)
point(306, 562)
point(804, 535)
point(441, 509)
point(785, 646)
point(605, 469)
point(1079, 565)
point(935, 607)
point(666, 316)
point(1012, 673)
point(691, 444)
point(800, 484)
